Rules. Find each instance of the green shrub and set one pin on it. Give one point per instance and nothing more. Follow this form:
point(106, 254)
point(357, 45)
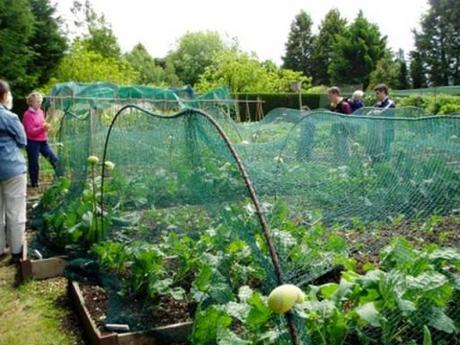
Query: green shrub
point(442, 104)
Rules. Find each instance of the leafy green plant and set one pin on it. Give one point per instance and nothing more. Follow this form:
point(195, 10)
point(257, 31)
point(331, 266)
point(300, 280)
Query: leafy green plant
point(55, 195)
point(413, 289)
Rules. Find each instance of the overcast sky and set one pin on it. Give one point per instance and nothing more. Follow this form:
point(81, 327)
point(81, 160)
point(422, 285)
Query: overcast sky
point(261, 26)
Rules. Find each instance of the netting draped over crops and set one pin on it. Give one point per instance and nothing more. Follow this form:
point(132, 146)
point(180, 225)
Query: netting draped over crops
point(78, 97)
point(371, 168)
point(177, 218)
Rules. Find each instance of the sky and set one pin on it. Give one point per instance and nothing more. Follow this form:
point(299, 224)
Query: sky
point(260, 26)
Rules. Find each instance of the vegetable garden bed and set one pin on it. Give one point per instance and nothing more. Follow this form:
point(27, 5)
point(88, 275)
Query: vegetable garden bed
point(350, 210)
point(89, 303)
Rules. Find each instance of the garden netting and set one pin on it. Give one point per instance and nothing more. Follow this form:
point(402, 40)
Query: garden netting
point(178, 217)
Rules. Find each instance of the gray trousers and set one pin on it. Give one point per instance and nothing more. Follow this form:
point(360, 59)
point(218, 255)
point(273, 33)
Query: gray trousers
point(13, 213)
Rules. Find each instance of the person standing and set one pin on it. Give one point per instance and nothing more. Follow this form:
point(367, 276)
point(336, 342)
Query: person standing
point(340, 130)
point(37, 137)
point(356, 101)
point(383, 133)
point(383, 100)
point(13, 180)
point(338, 104)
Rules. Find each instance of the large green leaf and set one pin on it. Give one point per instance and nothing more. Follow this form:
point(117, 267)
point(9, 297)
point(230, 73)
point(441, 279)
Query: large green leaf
point(426, 336)
point(370, 314)
point(439, 320)
point(259, 313)
point(426, 281)
point(208, 324)
point(227, 337)
point(203, 279)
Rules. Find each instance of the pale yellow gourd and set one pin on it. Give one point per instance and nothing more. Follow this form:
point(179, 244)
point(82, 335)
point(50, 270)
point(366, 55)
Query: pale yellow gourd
point(284, 297)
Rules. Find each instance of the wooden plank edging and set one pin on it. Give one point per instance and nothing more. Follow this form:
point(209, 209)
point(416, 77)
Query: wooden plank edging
point(159, 336)
point(41, 269)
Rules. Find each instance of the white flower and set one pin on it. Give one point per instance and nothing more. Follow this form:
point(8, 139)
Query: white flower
point(250, 209)
point(109, 165)
point(93, 160)
point(278, 159)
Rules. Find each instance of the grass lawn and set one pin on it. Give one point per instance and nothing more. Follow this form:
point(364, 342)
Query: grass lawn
point(36, 313)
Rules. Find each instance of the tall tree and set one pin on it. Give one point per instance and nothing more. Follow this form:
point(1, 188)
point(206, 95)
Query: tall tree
point(16, 28)
point(94, 30)
point(170, 75)
point(404, 82)
point(438, 42)
point(417, 71)
point(141, 61)
point(333, 25)
point(356, 52)
point(195, 51)
point(387, 71)
point(299, 46)
point(48, 42)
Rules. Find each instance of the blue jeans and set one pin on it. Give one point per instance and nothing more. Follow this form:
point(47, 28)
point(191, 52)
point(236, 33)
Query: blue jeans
point(34, 148)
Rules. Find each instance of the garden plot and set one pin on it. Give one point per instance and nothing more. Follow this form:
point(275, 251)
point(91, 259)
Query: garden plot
point(358, 210)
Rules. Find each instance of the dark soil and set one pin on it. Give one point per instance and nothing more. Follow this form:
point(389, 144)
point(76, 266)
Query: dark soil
point(365, 245)
point(96, 301)
point(333, 276)
point(167, 311)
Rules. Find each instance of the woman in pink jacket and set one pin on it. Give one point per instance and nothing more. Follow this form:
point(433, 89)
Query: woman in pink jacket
point(37, 137)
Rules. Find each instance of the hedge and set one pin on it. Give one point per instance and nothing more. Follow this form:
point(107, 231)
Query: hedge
point(271, 101)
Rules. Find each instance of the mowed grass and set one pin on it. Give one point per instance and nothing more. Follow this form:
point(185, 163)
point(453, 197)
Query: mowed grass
point(35, 313)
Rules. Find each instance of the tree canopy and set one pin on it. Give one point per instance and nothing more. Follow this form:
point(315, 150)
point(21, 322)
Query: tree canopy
point(195, 51)
point(299, 46)
point(32, 43)
point(332, 26)
point(438, 44)
point(243, 72)
point(356, 53)
point(84, 65)
point(144, 64)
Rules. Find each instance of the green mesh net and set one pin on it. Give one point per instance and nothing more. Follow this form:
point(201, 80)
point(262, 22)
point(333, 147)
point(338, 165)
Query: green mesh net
point(398, 112)
point(194, 217)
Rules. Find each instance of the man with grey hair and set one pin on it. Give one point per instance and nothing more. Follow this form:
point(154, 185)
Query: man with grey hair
point(356, 100)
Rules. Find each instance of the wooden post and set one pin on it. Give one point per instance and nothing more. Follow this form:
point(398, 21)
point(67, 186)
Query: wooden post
point(248, 110)
point(238, 117)
point(260, 110)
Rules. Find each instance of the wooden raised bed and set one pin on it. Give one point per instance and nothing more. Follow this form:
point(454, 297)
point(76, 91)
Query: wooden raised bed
point(159, 336)
point(41, 268)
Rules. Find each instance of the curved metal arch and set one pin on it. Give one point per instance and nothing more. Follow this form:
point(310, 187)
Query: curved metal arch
point(253, 195)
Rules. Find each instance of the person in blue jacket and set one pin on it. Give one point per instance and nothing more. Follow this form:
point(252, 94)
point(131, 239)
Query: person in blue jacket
point(13, 180)
point(356, 100)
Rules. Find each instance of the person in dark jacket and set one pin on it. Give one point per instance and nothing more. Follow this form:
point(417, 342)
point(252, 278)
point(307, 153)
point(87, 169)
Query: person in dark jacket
point(383, 100)
point(339, 129)
point(338, 104)
point(356, 100)
point(13, 181)
point(383, 133)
